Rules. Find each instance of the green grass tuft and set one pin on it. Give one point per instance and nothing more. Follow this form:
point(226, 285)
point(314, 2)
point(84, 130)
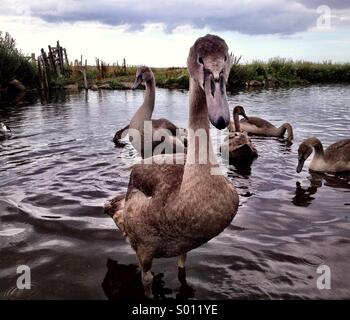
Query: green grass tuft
point(13, 64)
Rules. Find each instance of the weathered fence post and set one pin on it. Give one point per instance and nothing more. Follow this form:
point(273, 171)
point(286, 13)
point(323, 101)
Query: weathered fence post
point(84, 75)
point(54, 67)
point(124, 64)
point(60, 55)
point(40, 73)
point(65, 56)
point(98, 67)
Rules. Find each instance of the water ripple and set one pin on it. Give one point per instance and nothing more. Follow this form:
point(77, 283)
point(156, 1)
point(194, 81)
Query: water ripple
point(60, 167)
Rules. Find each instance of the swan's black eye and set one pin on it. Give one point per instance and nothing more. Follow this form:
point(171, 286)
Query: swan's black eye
point(200, 60)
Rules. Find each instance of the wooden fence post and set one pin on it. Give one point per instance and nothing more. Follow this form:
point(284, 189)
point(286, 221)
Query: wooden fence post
point(124, 64)
point(53, 61)
point(65, 56)
point(40, 73)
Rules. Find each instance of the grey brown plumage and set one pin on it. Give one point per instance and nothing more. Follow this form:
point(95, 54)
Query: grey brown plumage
point(339, 151)
point(172, 137)
point(261, 127)
point(336, 158)
point(238, 147)
point(170, 209)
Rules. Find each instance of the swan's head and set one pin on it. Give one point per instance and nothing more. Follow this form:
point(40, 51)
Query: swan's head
point(240, 111)
point(143, 74)
point(304, 151)
point(209, 64)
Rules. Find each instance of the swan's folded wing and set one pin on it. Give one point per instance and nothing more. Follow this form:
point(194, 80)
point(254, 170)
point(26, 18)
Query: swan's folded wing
point(164, 124)
point(154, 179)
point(258, 122)
point(339, 151)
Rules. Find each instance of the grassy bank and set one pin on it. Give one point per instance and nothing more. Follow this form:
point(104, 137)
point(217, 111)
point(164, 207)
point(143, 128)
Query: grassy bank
point(120, 78)
point(275, 72)
point(280, 71)
point(14, 65)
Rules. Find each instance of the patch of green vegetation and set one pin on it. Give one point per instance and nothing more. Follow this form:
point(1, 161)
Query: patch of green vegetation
point(61, 82)
point(275, 72)
point(279, 71)
point(173, 78)
point(115, 85)
point(91, 73)
point(326, 72)
point(13, 64)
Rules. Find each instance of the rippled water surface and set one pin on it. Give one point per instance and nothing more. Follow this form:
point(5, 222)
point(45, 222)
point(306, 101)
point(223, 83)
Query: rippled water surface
point(60, 166)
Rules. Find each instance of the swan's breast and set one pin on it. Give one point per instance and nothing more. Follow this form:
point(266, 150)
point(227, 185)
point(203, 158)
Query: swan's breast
point(319, 164)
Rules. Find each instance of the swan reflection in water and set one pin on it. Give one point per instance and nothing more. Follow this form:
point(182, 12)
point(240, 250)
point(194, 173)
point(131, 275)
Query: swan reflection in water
point(305, 195)
point(123, 281)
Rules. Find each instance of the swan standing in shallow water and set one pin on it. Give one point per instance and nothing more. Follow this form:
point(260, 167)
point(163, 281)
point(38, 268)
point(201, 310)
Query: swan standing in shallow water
point(260, 127)
point(5, 131)
point(170, 209)
point(336, 158)
point(239, 147)
point(146, 143)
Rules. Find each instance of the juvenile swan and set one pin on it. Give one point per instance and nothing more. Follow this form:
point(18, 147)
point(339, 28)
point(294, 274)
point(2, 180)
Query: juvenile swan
point(336, 158)
point(170, 209)
point(146, 143)
point(239, 147)
point(260, 127)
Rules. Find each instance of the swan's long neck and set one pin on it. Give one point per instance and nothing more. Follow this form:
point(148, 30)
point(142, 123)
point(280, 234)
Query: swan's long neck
point(150, 97)
point(200, 150)
point(146, 109)
point(286, 127)
point(198, 118)
point(318, 148)
point(236, 122)
point(204, 193)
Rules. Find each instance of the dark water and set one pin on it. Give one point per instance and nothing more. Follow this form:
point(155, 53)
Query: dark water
point(60, 167)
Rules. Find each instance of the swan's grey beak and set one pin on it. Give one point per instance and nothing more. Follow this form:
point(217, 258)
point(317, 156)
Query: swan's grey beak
point(137, 82)
point(218, 110)
point(300, 165)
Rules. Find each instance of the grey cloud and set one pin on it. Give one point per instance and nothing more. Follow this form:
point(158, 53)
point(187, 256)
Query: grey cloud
point(333, 4)
point(261, 17)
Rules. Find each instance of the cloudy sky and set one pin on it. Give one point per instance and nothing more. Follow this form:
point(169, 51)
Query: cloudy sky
point(159, 33)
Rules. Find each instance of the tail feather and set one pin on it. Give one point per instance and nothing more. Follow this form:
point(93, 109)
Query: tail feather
point(119, 135)
point(114, 209)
